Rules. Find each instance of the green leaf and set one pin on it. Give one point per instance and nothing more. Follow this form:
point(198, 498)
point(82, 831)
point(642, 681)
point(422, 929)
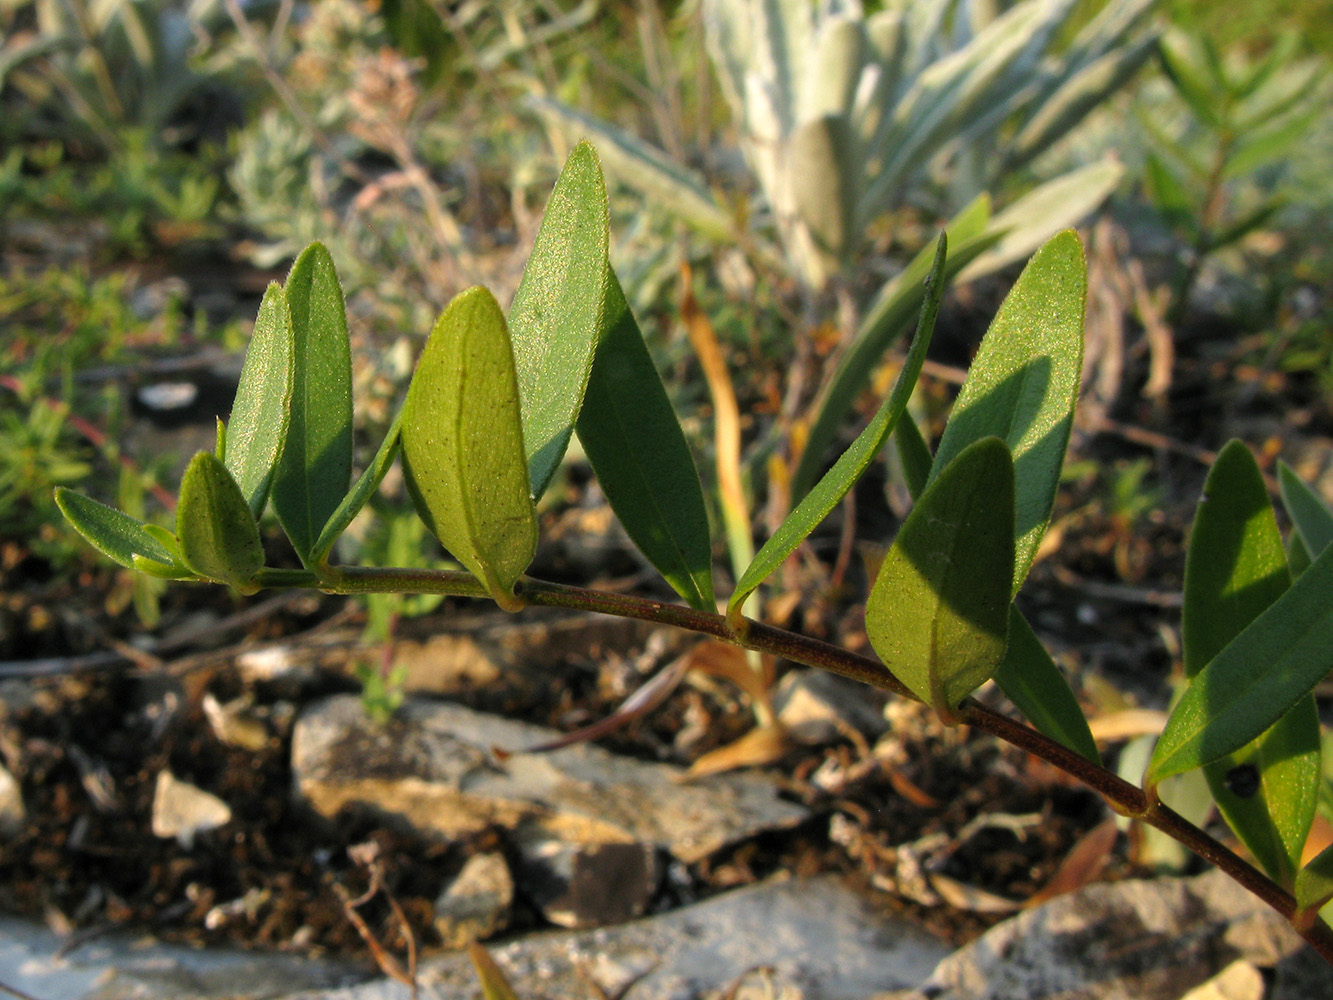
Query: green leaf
point(117, 536)
point(1235, 569)
point(1029, 222)
point(830, 490)
point(938, 614)
point(914, 454)
point(260, 413)
point(1255, 680)
point(463, 445)
point(1023, 385)
point(1031, 680)
point(1306, 509)
point(316, 461)
point(360, 493)
point(892, 309)
point(1314, 882)
point(633, 440)
point(219, 537)
point(556, 315)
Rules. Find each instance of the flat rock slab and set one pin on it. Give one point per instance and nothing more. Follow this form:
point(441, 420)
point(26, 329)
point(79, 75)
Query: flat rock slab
point(1136, 940)
point(433, 767)
point(120, 968)
point(802, 939)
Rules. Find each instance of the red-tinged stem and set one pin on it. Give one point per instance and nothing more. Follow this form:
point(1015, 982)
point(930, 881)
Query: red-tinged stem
point(1124, 798)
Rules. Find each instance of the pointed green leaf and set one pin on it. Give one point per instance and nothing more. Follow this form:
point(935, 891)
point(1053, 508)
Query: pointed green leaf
point(1031, 680)
point(913, 454)
point(556, 315)
point(830, 490)
point(1023, 385)
point(1314, 882)
point(316, 462)
point(633, 440)
point(463, 445)
point(117, 536)
point(1235, 569)
point(890, 313)
point(938, 614)
point(360, 493)
point(259, 416)
point(219, 537)
point(1306, 509)
point(1255, 680)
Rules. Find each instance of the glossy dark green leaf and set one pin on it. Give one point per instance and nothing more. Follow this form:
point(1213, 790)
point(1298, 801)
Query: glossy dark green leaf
point(1256, 679)
point(938, 614)
point(1314, 882)
point(887, 316)
point(116, 535)
point(1031, 680)
point(219, 537)
point(462, 437)
point(633, 440)
point(1023, 385)
point(1235, 569)
point(361, 492)
point(829, 491)
point(556, 315)
point(316, 462)
point(1306, 509)
point(252, 442)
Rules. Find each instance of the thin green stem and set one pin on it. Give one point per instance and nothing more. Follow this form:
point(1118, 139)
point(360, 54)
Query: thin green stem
point(1124, 798)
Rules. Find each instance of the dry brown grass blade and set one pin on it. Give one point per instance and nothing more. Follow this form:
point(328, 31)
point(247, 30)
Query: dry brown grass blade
point(761, 745)
point(732, 664)
point(1085, 861)
point(726, 424)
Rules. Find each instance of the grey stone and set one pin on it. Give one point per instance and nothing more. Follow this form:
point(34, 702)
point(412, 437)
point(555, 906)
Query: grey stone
point(801, 939)
point(432, 767)
point(588, 885)
point(477, 902)
point(1135, 940)
point(811, 702)
point(182, 810)
point(113, 967)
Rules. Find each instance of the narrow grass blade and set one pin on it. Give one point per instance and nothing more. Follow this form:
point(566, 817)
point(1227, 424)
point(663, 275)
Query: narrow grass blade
point(316, 463)
point(252, 441)
point(556, 315)
point(494, 985)
point(830, 490)
point(633, 440)
point(116, 535)
point(938, 614)
point(1255, 680)
point(1031, 680)
point(914, 454)
point(360, 493)
point(1306, 509)
point(1236, 569)
point(890, 313)
point(462, 439)
point(218, 535)
point(1023, 385)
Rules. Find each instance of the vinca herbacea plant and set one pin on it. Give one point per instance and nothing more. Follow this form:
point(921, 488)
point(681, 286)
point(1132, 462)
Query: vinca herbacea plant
point(496, 398)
